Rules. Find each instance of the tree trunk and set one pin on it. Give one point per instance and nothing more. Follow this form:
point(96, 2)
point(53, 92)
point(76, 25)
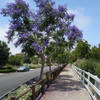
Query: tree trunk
point(42, 65)
point(50, 64)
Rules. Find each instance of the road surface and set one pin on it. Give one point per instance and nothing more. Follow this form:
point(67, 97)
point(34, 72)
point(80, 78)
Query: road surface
point(10, 81)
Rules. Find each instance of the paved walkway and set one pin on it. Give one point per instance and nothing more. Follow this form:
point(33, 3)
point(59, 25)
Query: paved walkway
point(66, 87)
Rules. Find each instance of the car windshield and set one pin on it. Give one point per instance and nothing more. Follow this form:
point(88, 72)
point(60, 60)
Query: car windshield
point(22, 67)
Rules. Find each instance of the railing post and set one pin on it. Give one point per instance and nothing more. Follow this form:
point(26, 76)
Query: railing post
point(88, 80)
point(43, 88)
point(97, 85)
point(83, 79)
point(13, 98)
point(33, 92)
point(47, 76)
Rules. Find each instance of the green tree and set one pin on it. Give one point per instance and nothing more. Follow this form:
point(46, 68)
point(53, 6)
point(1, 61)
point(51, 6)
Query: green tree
point(73, 56)
point(82, 49)
point(95, 53)
point(4, 53)
point(15, 60)
point(26, 59)
point(28, 49)
point(48, 22)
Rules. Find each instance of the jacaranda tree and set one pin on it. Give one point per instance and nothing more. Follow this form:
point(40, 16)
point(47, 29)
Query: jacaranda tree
point(40, 27)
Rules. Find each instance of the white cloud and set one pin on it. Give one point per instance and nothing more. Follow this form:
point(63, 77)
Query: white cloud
point(13, 49)
point(81, 20)
point(3, 31)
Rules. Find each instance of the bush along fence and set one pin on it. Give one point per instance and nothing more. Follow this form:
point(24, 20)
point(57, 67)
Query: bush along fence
point(38, 89)
point(91, 82)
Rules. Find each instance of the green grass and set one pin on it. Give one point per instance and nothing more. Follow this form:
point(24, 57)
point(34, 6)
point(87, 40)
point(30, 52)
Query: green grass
point(19, 91)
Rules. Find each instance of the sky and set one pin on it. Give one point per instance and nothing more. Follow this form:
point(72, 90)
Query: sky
point(87, 18)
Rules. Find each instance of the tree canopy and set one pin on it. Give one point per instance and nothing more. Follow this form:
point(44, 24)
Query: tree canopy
point(4, 53)
point(41, 27)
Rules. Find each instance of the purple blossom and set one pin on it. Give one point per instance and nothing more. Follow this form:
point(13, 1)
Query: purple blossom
point(36, 46)
point(25, 35)
point(40, 49)
point(43, 3)
point(52, 3)
point(75, 29)
point(75, 33)
point(69, 16)
point(66, 33)
point(34, 26)
point(17, 42)
point(15, 24)
point(61, 8)
point(46, 41)
point(80, 35)
point(17, 8)
point(72, 16)
point(9, 35)
point(55, 12)
point(22, 3)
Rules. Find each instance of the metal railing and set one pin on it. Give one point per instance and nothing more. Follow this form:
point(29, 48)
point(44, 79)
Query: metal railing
point(48, 78)
point(91, 82)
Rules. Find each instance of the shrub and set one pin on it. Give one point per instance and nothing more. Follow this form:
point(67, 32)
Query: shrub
point(80, 61)
point(97, 70)
point(33, 66)
point(88, 65)
point(7, 70)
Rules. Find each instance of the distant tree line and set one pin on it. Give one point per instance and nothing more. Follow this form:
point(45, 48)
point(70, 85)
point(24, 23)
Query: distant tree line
point(84, 50)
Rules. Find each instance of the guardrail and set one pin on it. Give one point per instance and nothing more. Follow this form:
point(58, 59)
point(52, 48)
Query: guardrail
point(44, 84)
point(91, 82)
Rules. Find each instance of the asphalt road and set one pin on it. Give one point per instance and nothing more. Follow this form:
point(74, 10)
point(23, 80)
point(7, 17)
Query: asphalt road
point(10, 81)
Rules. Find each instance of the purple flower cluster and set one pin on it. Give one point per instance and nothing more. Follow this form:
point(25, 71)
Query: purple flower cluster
point(61, 8)
point(73, 33)
point(18, 42)
point(40, 48)
point(25, 35)
point(46, 41)
point(18, 8)
point(15, 24)
point(9, 35)
point(55, 12)
point(44, 3)
point(37, 47)
point(69, 16)
point(34, 26)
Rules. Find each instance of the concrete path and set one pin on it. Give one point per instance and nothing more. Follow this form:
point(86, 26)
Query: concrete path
point(66, 87)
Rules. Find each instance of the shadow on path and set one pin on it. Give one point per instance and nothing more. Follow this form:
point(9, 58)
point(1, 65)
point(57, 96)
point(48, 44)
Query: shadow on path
point(67, 86)
point(65, 83)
